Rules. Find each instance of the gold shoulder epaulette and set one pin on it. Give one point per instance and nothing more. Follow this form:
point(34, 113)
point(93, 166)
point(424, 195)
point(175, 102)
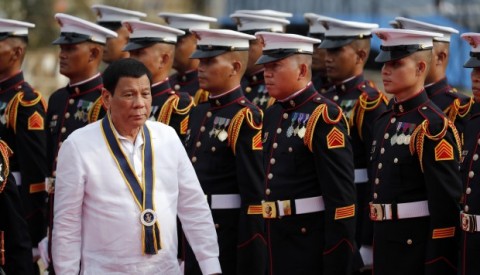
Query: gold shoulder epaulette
point(200, 96)
point(422, 131)
point(5, 152)
point(94, 112)
point(457, 109)
point(320, 111)
point(171, 106)
point(236, 125)
point(11, 112)
point(364, 104)
point(32, 102)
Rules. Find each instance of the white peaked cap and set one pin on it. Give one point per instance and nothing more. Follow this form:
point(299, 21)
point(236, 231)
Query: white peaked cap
point(407, 23)
point(187, 21)
point(249, 22)
point(113, 14)
point(76, 30)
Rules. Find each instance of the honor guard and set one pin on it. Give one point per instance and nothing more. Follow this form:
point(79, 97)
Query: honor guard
point(225, 146)
point(319, 70)
point(455, 105)
point(111, 18)
point(253, 83)
point(470, 169)
point(186, 78)
point(414, 166)
point(79, 103)
point(15, 245)
point(22, 121)
point(309, 205)
point(348, 46)
point(154, 46)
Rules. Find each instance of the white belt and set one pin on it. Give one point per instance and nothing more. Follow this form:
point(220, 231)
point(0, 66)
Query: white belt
point(469, 222)
point(18, 177)
point(382, 212)
point(225, 201)
point(276, 209)
point(361, 175)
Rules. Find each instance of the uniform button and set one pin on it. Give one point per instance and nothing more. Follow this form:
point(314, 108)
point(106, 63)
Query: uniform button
point(335, 98)
point(392, 120)
point(478, 141)
point(380, 165)
point(395, 160)
point(375, 195)
point(71, 101)
point(303, 230)
point(242, 101)
point(270, 176)
point(194, 159)
point(279, 130)
point(475, 157)
point(285, 116)
point(213, 149)
point(248, 89)
point(386, 136)
point(275, 145)
point(465, 208)
point(272, 161)
point(218, 102)
point(471, 174)
point(63, 130)
point(382, 151)
point(217, 226)
point(424, 107)
point(267, 191)
point(290, 149)
point(377, 181)
point(198, 144)
point(409, 241)
point(292, 103)
point(468, 191)
point(176, 87)
point(184, 78)
point(254, 78)
point(209, 114)
point(67, 115)
point(202, 129)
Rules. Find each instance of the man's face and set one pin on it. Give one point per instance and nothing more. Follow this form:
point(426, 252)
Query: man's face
point(318, 59)
point(75, 59)
point(214, 73)
point(150, 56)
point(254, 53)
point(340, 63)
point(399, 75)
point(114, 47)
point(184, 48)
point(475, 76)
point(131, 103)
point(281, 77)
point(7, 52)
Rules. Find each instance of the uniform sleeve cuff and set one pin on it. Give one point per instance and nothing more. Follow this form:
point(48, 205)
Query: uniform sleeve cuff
point(210, 266)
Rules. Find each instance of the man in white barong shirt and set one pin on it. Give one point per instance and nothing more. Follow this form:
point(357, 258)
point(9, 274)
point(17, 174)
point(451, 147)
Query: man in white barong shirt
point(101, 225)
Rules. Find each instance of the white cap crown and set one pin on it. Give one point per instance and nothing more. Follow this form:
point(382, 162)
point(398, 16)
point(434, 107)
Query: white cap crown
point(186, 21)
point(269, 13)
point(248, 22)
point(222, 38)
point(407, 23)
point(72, 24)
point(113, 14)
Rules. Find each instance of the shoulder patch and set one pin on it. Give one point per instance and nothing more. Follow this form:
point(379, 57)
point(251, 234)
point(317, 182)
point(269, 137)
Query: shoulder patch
point(35, 121)
point(335, 139)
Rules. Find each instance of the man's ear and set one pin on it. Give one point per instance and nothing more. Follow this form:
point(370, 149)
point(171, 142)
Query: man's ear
point(106, 98)
point(95, 53)
point(361, 56)
point(236, 67)
point(421, 68)
point(441, 58)
point(303, 71)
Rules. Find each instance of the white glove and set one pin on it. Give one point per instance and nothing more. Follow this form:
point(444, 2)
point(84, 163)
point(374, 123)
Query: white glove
point(43, 251)
point(366, 251)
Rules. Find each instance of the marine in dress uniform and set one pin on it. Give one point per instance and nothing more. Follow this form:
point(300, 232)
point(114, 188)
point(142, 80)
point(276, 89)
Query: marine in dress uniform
point(455, 105)
point(186, 78)
point(22, 117)
point(225, 146)
point(79, 103)
point(253, 83)
point(309, 205)
point(348, 46)
point(154, 46)
point(470, 169)
point(15, 245)
point(319, 72)
point(111, 18)
point(415, 159)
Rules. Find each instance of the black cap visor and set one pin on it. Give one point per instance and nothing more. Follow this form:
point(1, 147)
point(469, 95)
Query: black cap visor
point(144, 42)
point(331, 42)
point(72, 38)
point(207, 51)
point(474, 61)
point(389, 53)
